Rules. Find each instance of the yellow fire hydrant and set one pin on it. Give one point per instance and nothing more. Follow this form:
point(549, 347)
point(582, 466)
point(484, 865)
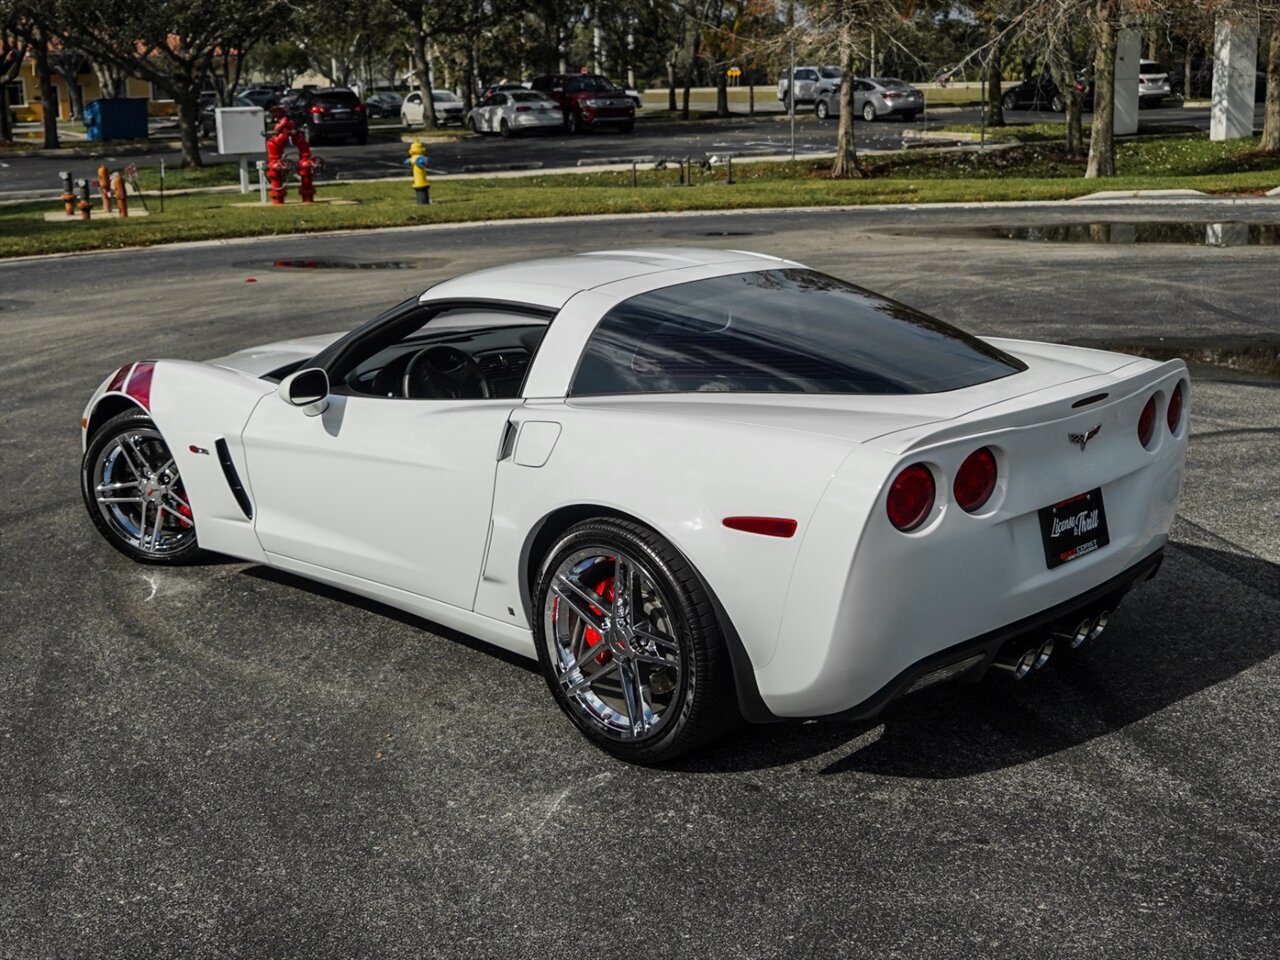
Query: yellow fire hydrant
point(417, 162)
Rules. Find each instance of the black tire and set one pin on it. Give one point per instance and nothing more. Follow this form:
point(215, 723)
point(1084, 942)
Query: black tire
point(1058, 105)
point(504, 129)
point(475, 127)
point(571, 123)
point(1009, 102)
point(868, 111)
point(175, 541)
point(910, 116)
point(822, 110)
point(362, 136)
point(313, 133)
point(628, 127)
point(700, 701)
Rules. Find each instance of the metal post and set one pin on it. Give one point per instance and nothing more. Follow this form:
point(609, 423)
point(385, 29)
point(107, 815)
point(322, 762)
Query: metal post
point(633, 173)
point(162, 184)
point(262, 178)
point(244, 174)
point(729, 161)
point(982, 112)
point(791, 96)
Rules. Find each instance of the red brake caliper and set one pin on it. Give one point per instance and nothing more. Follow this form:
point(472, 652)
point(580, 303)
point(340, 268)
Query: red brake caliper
point(604, 589)
point(186, 512)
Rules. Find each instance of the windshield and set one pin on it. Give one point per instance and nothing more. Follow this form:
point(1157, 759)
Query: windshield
point(831, 73)
point(589, 84)
point(443, 96)
point(779, 331)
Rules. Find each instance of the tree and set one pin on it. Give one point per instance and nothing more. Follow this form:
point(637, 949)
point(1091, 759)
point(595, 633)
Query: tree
point(13, 50)
point(175, 44)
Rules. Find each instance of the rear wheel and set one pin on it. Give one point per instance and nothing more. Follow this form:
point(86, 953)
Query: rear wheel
point(1058, 105)
point(1009, 102)
point(134, 493)
point(504, 129)
point(822, 110)
point(572, 123)
point(869, 112)
point(362, 136)
point(629, 643)
point(628, 127)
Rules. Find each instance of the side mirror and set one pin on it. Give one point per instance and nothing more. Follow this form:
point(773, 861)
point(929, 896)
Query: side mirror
point(308, 389)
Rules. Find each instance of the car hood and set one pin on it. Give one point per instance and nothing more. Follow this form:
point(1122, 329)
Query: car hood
point(257, 361)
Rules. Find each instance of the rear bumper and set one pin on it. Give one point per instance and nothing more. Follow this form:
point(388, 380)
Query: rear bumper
point(982, 650)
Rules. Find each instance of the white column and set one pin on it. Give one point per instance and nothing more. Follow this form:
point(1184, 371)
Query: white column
point(1235, 65)
point(1128, 55)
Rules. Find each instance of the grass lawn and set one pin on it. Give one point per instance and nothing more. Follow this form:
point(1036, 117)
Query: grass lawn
point(1035, 172)
point(1044, 131)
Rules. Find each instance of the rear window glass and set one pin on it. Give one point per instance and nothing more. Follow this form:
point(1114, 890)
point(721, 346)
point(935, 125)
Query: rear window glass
point(528, 97)
point(1152, 68)
point(891, 84)
point(779, 331)
point(343, 97)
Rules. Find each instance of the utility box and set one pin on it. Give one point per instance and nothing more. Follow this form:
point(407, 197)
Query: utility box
point(122, 119)
point(240, 130)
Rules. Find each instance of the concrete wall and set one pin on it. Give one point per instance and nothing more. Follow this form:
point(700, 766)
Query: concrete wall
point(1235, 65)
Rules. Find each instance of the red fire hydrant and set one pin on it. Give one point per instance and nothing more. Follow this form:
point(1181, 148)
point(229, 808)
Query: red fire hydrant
point(278, 165)
point(308, 166)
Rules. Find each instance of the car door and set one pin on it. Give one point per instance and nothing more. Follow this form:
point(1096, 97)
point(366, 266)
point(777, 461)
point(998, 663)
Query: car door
point(412, 108)
point(389, 490)
point(493, 112)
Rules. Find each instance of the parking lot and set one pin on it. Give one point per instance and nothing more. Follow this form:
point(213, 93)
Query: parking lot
point(226, 761)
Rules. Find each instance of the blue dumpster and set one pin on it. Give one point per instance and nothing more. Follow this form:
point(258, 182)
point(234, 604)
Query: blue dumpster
point(123, 119)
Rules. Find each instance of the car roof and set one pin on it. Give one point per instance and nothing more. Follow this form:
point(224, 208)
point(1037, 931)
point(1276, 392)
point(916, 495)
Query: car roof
point(550, 282)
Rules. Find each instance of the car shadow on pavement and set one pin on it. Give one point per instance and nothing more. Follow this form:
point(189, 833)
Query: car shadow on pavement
point(1210, 615)
point(381, 609)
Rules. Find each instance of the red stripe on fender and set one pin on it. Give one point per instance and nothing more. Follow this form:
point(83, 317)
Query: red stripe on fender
point(140, 383)
point(765, 526)
point(117, 382)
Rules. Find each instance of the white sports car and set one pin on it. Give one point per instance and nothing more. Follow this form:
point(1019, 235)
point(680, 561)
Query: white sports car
point(697, 485)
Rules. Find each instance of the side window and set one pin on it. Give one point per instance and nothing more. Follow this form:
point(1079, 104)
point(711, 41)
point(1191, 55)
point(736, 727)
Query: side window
point(462, 353)
point(499, 100)
point(806, 75)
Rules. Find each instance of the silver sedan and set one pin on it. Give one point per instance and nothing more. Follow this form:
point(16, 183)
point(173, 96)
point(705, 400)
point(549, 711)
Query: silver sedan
point(512, 112)
point(872, 99)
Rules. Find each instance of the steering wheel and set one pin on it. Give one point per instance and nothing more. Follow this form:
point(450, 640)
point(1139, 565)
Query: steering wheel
point(444, 373)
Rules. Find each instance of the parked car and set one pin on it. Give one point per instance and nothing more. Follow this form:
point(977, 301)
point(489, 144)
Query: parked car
point(328, 113)
point(512, 112)
point(880, 97)
point(1153, 83)
point(1201, 85)
point(448, 108)
point(384, 103)
point(209, 118)
point(816, 500)
point(588, 101)
point(1036, 93)
point(265, 97)
point(811, 83)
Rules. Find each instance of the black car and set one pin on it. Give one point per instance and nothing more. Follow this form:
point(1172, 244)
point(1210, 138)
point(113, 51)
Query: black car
point(1201, 81)
point(1036, 93)
point(330, 113)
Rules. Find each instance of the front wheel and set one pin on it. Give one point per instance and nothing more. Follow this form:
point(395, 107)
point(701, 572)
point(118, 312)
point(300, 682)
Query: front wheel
point(571, 122)
point(134, 493)
point(1058, 105)
point(869, 112)
point(822, 110)
point(1009, 102)
point(629, 644)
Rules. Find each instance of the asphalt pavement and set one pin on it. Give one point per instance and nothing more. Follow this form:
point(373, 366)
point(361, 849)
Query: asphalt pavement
point(224, 761)
point(768, 134)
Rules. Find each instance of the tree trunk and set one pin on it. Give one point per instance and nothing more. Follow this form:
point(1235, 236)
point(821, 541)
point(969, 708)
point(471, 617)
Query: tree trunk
point(469, 80)
point(1102, 140)
point(1271, 111)
point(419, 57)
point(846, 162)
point(187, 100)
point(671, 85)
point(111, 79)
point(995, 109)
point(722, 92)
point(688, 74)
point(48, 92)
point(1064, 77)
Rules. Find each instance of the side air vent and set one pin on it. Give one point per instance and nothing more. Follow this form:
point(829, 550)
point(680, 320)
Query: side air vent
point(233, 478)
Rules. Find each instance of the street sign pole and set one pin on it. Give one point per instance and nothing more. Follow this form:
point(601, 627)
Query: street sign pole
point(791, 96)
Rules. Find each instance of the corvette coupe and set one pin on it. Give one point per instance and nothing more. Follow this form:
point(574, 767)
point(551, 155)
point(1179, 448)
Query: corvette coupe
point(697, 485)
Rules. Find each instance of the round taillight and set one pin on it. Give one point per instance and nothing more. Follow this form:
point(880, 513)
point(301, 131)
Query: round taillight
point(975, 480)
point(910, 497)
point(1174, 414)
point(1147, 423)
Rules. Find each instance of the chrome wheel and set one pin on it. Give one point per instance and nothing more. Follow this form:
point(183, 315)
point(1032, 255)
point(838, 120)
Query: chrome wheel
point(139, 494)
point(612, 643)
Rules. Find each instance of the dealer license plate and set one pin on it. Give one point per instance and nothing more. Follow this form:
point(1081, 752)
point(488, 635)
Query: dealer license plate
point(1073, 528)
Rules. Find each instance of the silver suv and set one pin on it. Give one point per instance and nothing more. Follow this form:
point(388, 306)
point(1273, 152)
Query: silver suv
point(811, 82)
